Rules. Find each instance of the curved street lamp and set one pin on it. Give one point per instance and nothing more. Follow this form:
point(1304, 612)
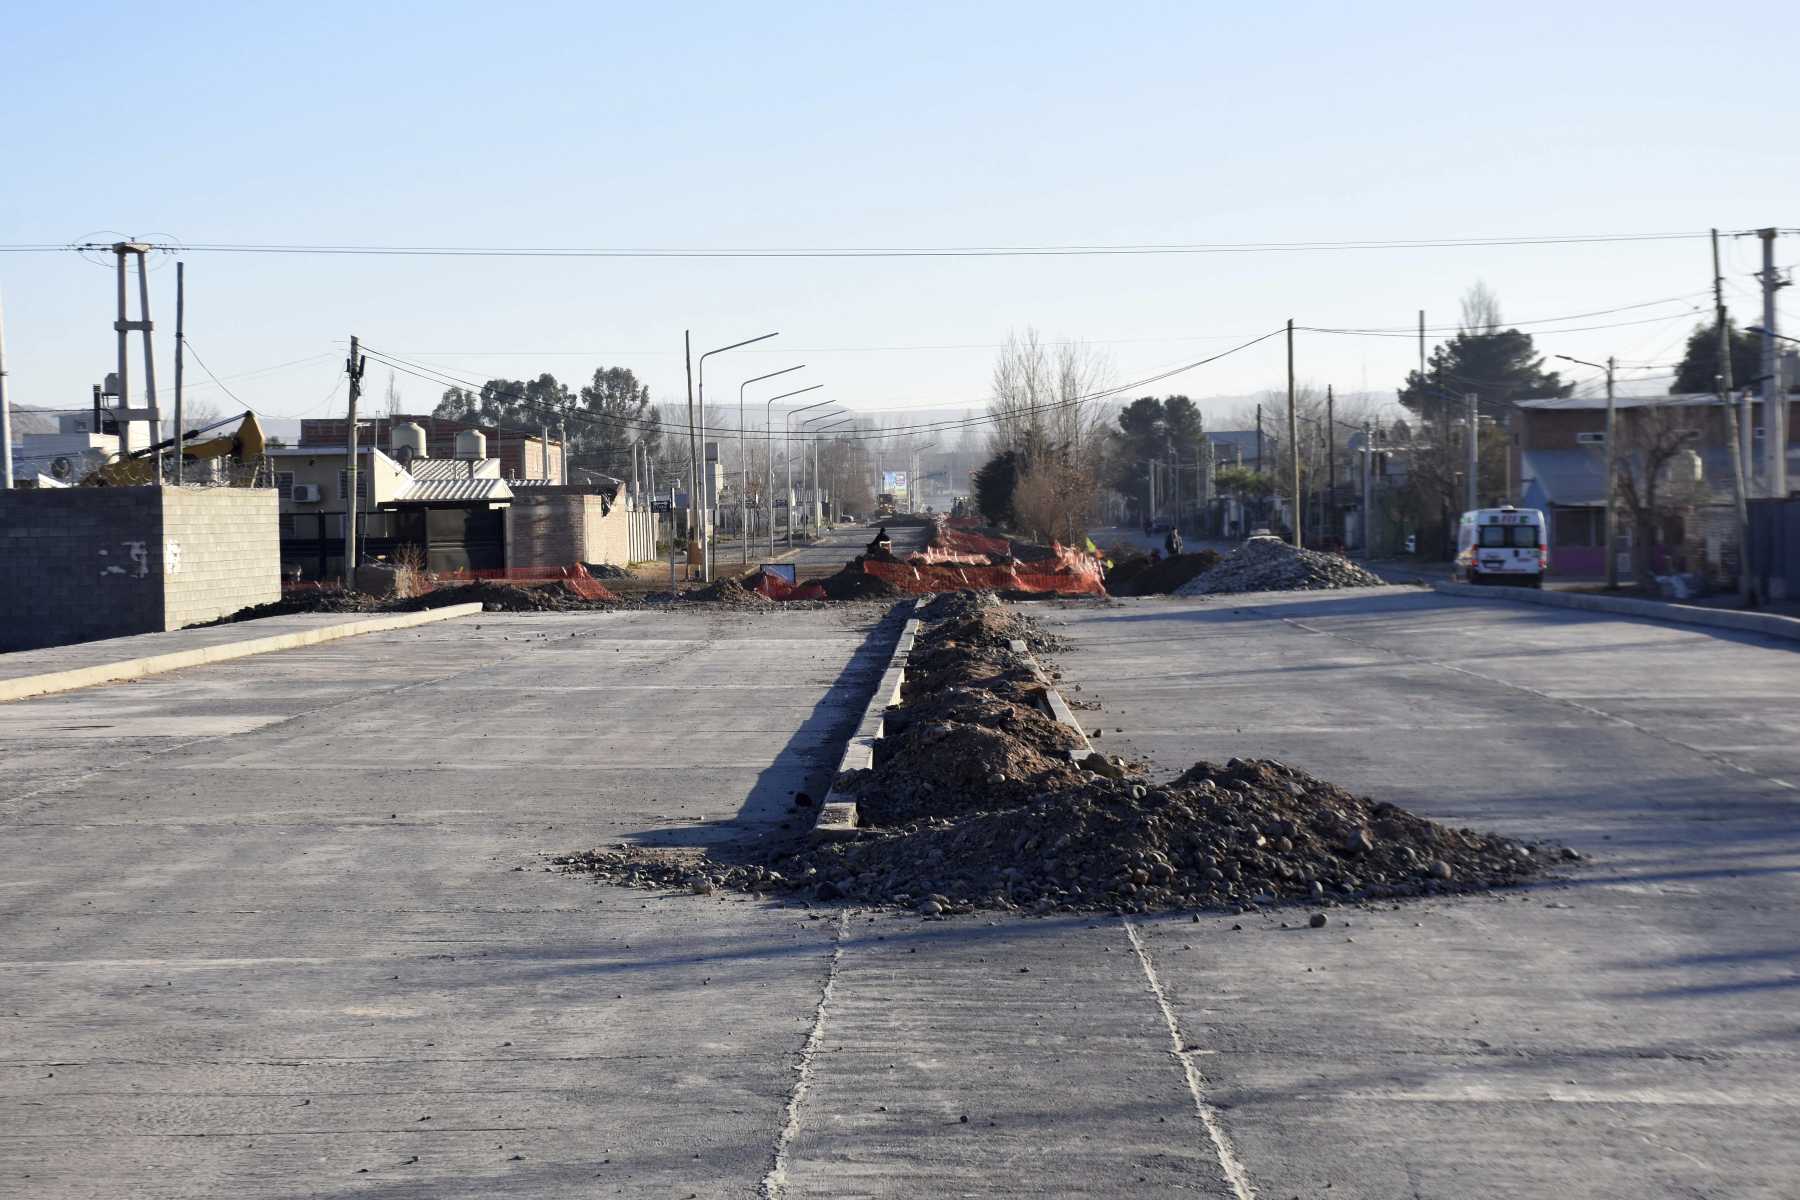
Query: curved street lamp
point(695, 440)
point(769, 437)
point(744, 465)
point(790, 454)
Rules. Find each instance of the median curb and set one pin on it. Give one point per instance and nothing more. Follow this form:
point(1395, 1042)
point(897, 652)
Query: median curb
point(26, 686)
point(837, 812)
point(1054, 704)
point(1766, 624)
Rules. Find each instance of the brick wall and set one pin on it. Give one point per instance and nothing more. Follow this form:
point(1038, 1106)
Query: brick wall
point(78, 564)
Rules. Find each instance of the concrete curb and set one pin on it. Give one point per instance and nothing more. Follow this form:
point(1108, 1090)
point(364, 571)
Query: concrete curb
point(837, 812)
point(1054, 704)
point(26, 686)
point(1767, 624)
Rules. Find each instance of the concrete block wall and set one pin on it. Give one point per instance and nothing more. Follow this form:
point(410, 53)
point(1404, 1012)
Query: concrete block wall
point(221, 552)
point(555, 529)
point(78, 564)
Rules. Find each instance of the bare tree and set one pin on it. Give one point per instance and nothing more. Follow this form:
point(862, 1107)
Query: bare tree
point(1652, 477)
point(1044, 395)
point(1480, 311)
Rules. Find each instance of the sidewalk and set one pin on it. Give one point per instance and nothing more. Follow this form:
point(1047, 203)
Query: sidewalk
point(62, 668)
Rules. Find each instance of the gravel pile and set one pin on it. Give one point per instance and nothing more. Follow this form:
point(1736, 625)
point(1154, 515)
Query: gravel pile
point(729, 592)
point(852, 583)
point(1271, 565)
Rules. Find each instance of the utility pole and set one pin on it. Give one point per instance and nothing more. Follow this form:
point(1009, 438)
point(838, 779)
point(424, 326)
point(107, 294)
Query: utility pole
point(6, 467)
point(1330, 449)
point(1612, 463)
point(1259, 449)
point(687, 354)
point(355, 366)
point(1731, 426)
point(1472, 486)
point(1293, 434)
point(1774, 387)
point(1368, 491)
point(180, 348)
point(1421, 346)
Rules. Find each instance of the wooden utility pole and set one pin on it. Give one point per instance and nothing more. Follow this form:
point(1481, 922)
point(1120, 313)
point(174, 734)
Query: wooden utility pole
point(1612, 486)
point(6, 467)
point(1293, 432)
point(1731, 429)
point(355, 365)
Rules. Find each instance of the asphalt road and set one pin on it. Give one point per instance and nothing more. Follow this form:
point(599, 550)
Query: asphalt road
point(279, 927)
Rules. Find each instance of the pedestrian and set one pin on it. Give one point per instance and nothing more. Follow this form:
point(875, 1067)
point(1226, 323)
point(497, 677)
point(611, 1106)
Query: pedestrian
point(1172, 543)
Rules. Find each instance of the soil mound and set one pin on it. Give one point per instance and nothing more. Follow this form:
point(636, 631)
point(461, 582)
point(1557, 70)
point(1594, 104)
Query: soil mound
point(1137, 575)
point(852, 583)
point(976, 800)
point(1270, 565)
point(730, 592)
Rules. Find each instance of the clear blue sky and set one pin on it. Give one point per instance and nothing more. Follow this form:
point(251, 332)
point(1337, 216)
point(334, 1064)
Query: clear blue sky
point(832, 125)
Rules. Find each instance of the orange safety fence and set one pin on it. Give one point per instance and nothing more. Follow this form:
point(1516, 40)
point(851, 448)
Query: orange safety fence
point(777, 588)
point(575, 578)
point(923, 577)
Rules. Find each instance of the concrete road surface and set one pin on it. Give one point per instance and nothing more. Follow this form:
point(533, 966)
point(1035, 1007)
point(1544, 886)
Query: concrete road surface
point(1629, 1034)
point(279, 928)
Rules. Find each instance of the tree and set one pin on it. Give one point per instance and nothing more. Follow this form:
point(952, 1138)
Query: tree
point(995, 484)
point(1500, 366)
point(1148, 428)
point(1699, 368)
point(1653, 444)
point(1043, 396)
point(1052, 498)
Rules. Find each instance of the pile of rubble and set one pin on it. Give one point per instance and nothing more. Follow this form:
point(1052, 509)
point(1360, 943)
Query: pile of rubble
point(977, 800)
point(1266, 564)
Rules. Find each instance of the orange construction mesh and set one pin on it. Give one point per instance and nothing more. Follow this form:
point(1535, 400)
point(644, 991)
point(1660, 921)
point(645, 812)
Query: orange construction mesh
point(922, 577)
point(777, 588)
point(574, 577)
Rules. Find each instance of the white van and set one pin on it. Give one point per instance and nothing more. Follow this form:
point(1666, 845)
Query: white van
point(1502, 545)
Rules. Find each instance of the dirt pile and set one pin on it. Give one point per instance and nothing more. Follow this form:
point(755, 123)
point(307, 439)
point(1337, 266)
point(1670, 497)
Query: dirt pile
point(1271, 565)
point(1135, 574)
point(853, 583)
point(976, 800)
point(729, 592)
point(495, 596)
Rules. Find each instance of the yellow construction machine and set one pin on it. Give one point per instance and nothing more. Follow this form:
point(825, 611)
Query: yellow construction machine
point(243, 446)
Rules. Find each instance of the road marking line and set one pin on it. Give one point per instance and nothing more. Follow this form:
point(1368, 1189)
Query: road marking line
point(1235, 1174)
point(776, 1177)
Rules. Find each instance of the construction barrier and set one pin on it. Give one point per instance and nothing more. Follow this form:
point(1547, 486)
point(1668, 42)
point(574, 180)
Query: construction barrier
point(921, 577)
point(575, 578)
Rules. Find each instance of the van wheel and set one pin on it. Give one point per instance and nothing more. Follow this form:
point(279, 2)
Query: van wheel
point(1536, 581)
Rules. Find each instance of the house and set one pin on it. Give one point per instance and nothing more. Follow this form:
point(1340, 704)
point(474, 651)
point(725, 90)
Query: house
point(451, 508)
point(1558, 459)
point(520, 453)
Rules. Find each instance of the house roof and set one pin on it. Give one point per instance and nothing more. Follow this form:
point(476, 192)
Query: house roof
point(1588, 403)
point(452, 491)
point(452, 468)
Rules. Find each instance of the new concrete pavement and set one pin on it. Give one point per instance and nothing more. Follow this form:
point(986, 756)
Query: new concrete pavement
point(264, 934)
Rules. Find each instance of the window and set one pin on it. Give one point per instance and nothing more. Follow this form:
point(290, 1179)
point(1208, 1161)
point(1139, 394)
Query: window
point(284, 525)
point(1577, 527)
point(362, 486)
point(1524, 537)
point(1493, 535)
point(284, 484)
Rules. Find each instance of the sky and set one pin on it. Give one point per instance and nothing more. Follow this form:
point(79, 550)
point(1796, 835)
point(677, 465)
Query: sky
point(705, 126)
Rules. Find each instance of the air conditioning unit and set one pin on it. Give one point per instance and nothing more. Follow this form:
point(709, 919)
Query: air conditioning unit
point(306, 493)
point(1590, 439)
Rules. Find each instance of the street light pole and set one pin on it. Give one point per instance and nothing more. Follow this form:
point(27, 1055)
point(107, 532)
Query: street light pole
point(744, 467)
point(694, 431)
point(769, 437)
point(821, 417)
point(787, 425)
point(818, 482)
point(1612, 455)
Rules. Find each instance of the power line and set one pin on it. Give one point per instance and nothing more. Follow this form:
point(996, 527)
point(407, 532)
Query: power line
point(1076, 250)
point(435, 375)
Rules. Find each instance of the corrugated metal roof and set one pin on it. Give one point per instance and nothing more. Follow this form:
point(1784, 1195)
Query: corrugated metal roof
point(1585, 403)
point(454, 468)
point(453, 491)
